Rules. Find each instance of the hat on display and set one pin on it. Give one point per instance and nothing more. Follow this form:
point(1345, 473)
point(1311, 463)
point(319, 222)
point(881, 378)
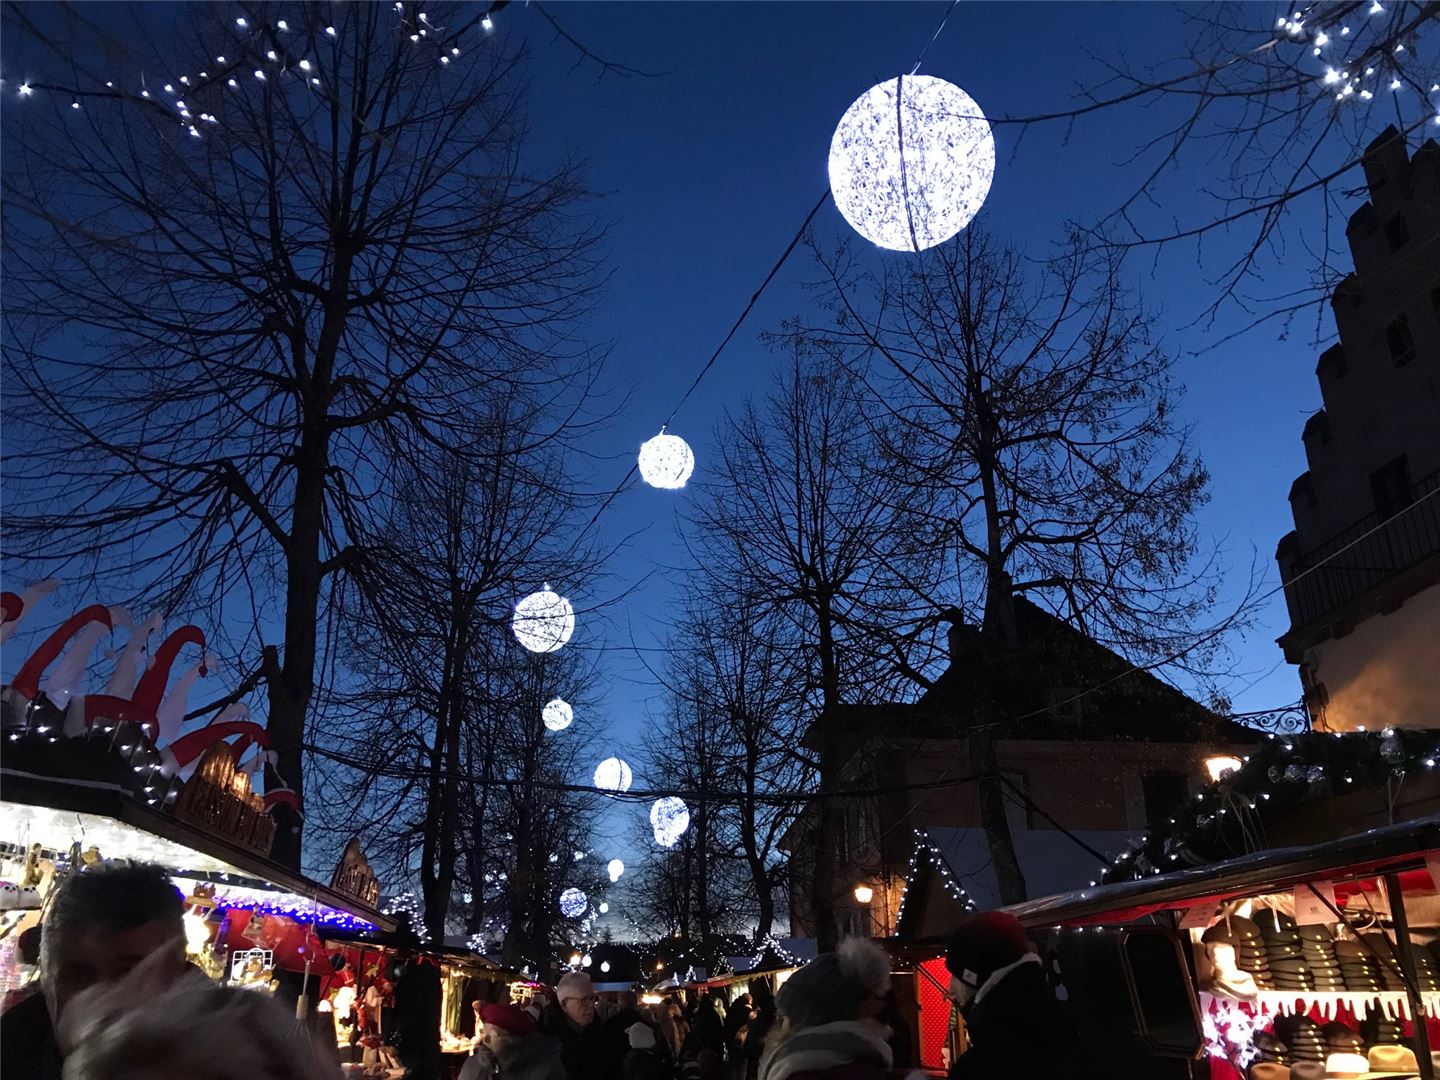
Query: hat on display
point(1397, 1059)
point(983, 944)
point(1308, 1070)
point(1346, 1066)
point(508, 1018)
point(1268, 1070)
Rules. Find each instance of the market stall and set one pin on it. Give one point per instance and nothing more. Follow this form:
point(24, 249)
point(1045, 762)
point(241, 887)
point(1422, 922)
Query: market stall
point(1319, 957)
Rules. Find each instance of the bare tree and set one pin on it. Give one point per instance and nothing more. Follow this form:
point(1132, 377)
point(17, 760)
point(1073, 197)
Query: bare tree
point(242, 300)
point(1039, 415)
point(800, 531)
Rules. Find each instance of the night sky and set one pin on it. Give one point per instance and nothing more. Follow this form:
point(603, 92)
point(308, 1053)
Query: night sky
point(706, 172)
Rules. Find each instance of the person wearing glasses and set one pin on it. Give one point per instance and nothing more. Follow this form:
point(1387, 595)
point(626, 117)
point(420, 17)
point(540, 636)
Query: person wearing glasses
point(573, 1021)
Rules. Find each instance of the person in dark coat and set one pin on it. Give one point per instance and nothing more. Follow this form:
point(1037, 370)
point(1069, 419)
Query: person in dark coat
point(418, 1001)
point(643, 1060)
point(573, 1021)
point(827, 1009)
point(708, 1028)
point(757, 1035)
point(513, 1048)
point(1016, 1027)
point(902, 1041)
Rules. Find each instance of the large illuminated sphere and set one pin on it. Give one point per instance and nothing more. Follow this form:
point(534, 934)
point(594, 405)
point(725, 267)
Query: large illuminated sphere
point(615, 869)
point(556, 715)
point(543, 621)
point(666, 461)
point(911, 162)
point(573, 903)
point(612, 774)
point(669, 817)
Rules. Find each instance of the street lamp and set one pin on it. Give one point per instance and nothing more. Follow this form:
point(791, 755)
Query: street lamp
point(1220, 764)
point(864, 894)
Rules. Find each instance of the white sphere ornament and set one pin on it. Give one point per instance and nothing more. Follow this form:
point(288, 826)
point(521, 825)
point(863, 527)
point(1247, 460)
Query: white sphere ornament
point(669, 817)
point(573, 903)
point(666, 461)
point(615, 868)
point(557, 715)
point(612, 774)
point(543, 621)
point(911, 162)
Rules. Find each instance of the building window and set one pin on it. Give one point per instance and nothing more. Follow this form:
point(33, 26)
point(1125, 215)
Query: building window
point(1390, 487)
point(1399, 341)
point(1164, 792)
point(1397, 233)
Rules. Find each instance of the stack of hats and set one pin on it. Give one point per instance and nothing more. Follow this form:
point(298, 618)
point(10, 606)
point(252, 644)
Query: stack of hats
point(1250, 954)
point(1427, 971)
point(1360, 972)
point(1289, 970)
point(1302, 1036)
point(1381, 946)
point(1342, 1039)
point(1379, 1029)
point(1270, 1047)
point(1317, 946)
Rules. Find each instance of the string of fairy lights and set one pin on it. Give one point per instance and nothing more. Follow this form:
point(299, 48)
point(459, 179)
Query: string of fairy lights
point(911, 163)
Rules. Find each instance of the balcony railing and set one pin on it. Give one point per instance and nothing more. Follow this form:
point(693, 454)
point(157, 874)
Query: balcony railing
point(1364, 556)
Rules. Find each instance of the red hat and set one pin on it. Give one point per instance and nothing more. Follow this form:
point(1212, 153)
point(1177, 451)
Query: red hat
point(510, 1018)
point(983, 944)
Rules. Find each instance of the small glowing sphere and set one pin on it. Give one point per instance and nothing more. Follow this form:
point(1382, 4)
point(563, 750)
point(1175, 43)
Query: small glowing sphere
point(604, 908)
point(911, 162)
point(604, 965)
point(615, 869)
point(666, 462)
point(543, 621)
point(573, 903)
point(556, 715)
point(612, 774)
point(586, 961)
point(669, 817)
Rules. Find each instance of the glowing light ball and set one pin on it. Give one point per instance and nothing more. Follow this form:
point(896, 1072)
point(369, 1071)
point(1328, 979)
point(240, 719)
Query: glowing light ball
point(669, 817)
point(615, 869)
point(543, 621)
point(605, 965)
point(612, 774)
point(573, 903)
point(666, 461)
point(911, 162)
point(604, 908)
point(557, 715)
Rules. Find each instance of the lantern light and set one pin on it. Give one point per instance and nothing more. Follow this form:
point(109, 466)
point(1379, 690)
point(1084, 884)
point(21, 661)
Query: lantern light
point(669, 817)
point(612, 774)
point(911, 162)
point(573, 903)
point(666, 461)
point(864, 894)
point(1219, 765)
point(615, 868)
point(557, 715)
point(543, 621)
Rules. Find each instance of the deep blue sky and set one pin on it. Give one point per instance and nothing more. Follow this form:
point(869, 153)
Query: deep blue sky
point(708, 171)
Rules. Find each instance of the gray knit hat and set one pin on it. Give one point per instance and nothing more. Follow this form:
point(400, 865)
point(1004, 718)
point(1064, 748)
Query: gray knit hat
point(833, 986)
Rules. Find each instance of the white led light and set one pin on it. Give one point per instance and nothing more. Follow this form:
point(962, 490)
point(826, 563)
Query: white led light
point(669, 818)
point(911, 162)
point(543, 621)
point(613, 774)
point(573, 903)
point(666, 461)
point(556, 715)
point(615, 868)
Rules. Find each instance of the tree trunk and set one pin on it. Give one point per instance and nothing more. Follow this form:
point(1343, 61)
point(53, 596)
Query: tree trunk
point(992, 811)
point(827, 841)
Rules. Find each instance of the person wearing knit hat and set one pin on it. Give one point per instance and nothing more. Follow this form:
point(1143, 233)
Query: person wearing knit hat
point(1015, 1026)
point(643, 1061)
point(827, 1028)
point(512, 1048)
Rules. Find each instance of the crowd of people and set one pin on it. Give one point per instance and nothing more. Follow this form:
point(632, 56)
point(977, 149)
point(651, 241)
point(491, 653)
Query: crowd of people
point(118, 1000)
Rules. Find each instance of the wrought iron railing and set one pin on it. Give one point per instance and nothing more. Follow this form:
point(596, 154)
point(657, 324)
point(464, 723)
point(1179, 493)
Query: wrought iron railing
point(1364, 556)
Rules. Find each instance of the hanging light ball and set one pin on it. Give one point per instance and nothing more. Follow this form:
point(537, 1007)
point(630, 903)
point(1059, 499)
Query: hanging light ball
point(612, 774)
point(615, 868)
point(573, 903)
point(666, 461)
point(543, 621)
point(604, 909)
point(557, 715)
point(911, 162)
point(669, 817)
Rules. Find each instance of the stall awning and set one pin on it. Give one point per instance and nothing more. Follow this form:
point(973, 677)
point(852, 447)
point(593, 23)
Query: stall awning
point(161, 838)
point(1392, 849)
